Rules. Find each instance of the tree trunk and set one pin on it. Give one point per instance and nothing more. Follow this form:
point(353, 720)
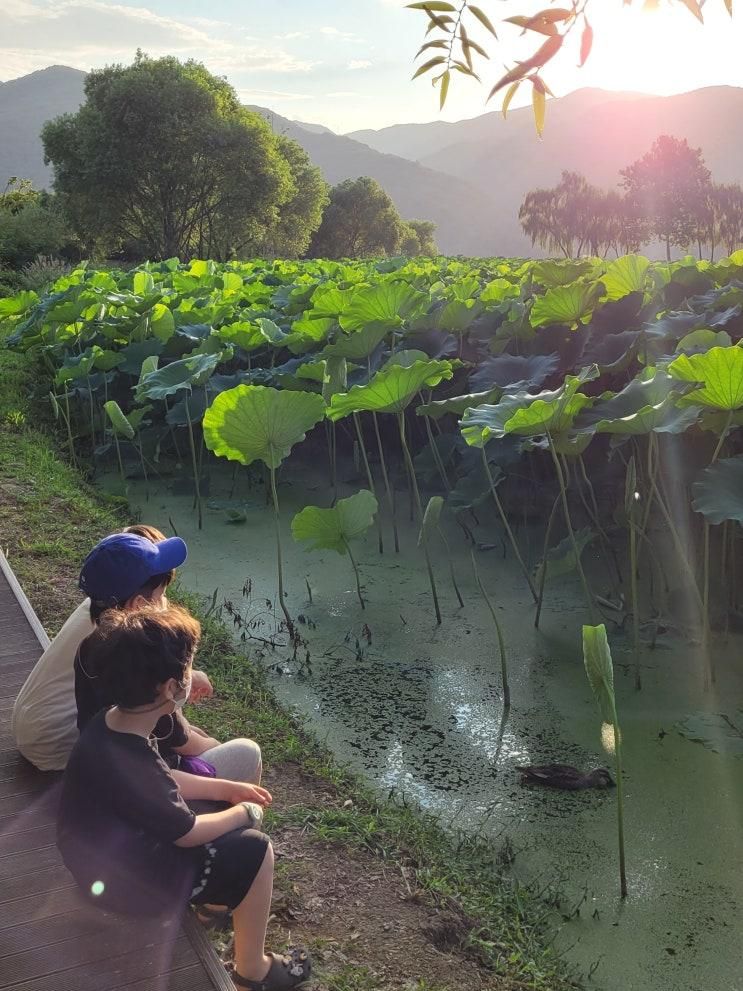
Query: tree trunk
point(668, 249)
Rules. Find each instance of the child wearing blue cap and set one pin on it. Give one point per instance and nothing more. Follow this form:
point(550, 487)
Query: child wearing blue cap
point(124, 570)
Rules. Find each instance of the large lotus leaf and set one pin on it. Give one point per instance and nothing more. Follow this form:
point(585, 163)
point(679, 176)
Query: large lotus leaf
point(312, 329)
point(78, 365)
point(557, 273)
point(718, 492)
point(358, 344)
point(105, 360)
point(184, 374)
point(14, 306)
point(648, 390)
point(178, 415)
point(613, 352)
point(457, 316)
point(388, 303)
point(721, 370)
point(514, 371)
point(328, 300)
point(243, 334)
point(162, 322)
point(473, 488)
point(435, 343)
point(408, 357)
point(391, 390)
point(255, 423)
point(457, 404)
point(716, 731)
point(561, 559)
point(704, 339)
point(498, 291)
point(135, 354)
point(664, 417)
point(600, 670)
point(625, 275)
point(427, 465)
point(568, 305)
point(332, 529)
point(529, 415)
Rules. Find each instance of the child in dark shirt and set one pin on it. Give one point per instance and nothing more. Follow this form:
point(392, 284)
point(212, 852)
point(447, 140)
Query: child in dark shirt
point(139, 841)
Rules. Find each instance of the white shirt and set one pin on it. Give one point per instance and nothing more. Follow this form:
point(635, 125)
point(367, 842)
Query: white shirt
point(44, 720)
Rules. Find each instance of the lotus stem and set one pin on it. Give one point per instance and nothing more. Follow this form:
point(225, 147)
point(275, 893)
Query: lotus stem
point(451, 566)
point(144, 469)
point(196, 479)
point(620, 808)
point(356, 573)
point(607, 549)
point(635, 607)
point(118, 455)
point(369, 476)
point(416, 492)
point(92, 413)
point(499, 631)
point(506, 525)
point(282, 602)
point(385, 476)
point(70, 441)
point(543, 573)
point(435, 451)
point(571, 532)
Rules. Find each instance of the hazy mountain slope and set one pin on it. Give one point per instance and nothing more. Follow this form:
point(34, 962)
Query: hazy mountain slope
point(465, 218)
point(25, 105)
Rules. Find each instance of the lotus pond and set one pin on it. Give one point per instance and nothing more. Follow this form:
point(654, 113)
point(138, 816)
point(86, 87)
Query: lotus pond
point(408, 485)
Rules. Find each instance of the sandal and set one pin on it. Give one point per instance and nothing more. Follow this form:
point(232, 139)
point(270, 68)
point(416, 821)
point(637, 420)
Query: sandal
point(286, 971)
point(213, 919)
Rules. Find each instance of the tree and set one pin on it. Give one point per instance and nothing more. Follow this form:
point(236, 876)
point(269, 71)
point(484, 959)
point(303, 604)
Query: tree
point(568, 218)
point(418, 238)
point(729, 204)
point(359, 221)
point(163, 157)
point(451, 50)
point(30, 225)
point(300, 216)
point(670, 185)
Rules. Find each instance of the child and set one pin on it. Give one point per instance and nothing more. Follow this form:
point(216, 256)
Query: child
point(45, 715)
point(124, 827)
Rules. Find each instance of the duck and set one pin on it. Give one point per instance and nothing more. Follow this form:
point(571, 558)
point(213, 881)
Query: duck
point(564, 776)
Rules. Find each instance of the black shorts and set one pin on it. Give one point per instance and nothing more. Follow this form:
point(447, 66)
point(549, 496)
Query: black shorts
point(228, 865)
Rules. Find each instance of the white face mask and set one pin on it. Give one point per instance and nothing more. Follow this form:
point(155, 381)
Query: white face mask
point(181, 700)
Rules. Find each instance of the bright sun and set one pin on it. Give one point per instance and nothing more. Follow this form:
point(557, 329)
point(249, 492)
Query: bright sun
point(655, 51)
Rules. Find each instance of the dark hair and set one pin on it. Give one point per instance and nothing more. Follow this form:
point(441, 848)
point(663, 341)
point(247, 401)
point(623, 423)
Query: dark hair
point(134, 651)
point(151, 533)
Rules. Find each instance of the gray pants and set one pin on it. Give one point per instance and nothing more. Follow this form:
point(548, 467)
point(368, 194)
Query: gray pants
point(237, 760)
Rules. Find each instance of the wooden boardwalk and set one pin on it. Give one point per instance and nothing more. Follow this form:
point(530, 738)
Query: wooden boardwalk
point(50, 938)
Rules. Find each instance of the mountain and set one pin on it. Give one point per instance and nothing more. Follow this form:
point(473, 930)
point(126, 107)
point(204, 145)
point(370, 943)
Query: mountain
point(589, 131)
point(25, 105)
point(418, 192)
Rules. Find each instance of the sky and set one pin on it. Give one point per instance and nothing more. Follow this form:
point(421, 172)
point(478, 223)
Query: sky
point(348, 64)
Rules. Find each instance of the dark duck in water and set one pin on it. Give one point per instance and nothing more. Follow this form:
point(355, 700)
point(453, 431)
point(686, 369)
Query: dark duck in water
point(564, 776)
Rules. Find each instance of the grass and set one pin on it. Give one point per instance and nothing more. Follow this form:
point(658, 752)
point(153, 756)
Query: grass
point(50, 517)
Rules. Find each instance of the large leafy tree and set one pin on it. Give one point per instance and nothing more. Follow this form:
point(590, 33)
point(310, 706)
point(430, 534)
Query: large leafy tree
point(301, 215)
point(360, 221)
point(164, 159)
point(670, 185)
point(30, 224)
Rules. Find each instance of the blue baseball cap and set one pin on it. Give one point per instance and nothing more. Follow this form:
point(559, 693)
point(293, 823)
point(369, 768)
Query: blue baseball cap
point(121, 564)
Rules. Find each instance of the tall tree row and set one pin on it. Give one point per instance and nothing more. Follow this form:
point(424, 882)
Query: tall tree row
point(667, 196)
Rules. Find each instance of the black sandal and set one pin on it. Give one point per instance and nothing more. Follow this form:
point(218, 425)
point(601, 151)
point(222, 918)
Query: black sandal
point(287, 971)
point(215, 920)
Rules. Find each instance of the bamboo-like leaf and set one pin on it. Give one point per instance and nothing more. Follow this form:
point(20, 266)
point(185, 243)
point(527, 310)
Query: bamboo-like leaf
point(539, 105)
point(547, 51)
point(600, 670)
point(510, 93)
point(533, 24)
point(444, 88)
point(439, 5)
point(586, 43)
point(485, 20)
point(438, 43)
point(438, 60)
point(729, 7)
point(695, 7)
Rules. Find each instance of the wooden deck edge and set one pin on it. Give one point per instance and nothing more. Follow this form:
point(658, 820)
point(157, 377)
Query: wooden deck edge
point(192, 928)
point(28, 610)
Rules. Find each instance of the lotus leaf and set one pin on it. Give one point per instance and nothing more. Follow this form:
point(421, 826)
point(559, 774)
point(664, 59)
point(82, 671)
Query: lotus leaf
point(569, 305)
point(255, 423)
point(625, 275)
point(514, 372)
point(388, 303)
point(704, 339)
point(332, 529)
point(718, 492)
point(14, 306)
point(457, 404)
point(122, 427)
point(391, 390)
point(651, 388)
point(721, 371)
point(183, 374)
point(561, 559)
point(600, 670)
point(357, 345)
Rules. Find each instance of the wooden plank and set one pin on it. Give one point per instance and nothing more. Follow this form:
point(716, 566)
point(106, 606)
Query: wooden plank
point(29, 839)
point(40, 883)
point(23, 910)
point(26, 607)
point(116, 972)
point(22, 864)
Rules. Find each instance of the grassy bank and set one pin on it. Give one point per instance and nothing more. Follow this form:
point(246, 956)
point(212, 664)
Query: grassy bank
point(383, 896)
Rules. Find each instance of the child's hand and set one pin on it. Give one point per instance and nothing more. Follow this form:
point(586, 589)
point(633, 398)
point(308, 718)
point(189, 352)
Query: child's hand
point(201, 687)
point(239, 791)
